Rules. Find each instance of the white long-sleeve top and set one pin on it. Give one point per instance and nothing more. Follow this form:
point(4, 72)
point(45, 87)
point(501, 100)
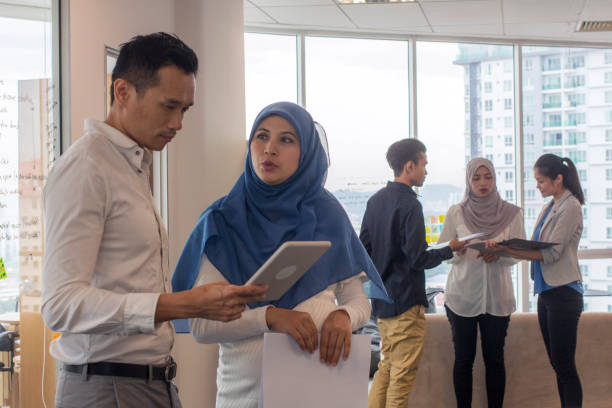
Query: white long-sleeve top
point(241, 341)
point(474, 287)
point(106, 253)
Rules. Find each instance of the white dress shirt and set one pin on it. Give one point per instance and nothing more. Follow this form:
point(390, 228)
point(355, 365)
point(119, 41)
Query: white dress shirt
point(106, 253)
point(474, 287)
point(241, 340)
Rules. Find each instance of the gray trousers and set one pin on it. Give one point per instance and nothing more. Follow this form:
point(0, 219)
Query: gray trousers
point(100, 391)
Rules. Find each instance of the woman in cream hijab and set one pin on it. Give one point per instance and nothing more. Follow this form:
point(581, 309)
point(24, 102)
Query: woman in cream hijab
point(479, 289)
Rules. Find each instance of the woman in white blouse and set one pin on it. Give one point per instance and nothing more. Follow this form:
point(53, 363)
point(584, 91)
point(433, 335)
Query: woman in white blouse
point(279, 197)
point(479, 291)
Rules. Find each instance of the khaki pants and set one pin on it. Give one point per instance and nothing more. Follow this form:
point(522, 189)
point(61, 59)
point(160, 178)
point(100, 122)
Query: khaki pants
point(402, 341)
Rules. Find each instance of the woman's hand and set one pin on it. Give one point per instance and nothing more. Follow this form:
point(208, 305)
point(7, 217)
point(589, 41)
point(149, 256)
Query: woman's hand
point(335, 333)
point(298, 325)
point(487, 257)
point(492, 245)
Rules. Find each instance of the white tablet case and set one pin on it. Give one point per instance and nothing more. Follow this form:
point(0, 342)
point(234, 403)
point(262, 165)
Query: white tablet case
point(286, 265)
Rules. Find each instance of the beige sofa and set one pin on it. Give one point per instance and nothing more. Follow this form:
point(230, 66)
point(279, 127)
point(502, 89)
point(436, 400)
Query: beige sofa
point(530, 380)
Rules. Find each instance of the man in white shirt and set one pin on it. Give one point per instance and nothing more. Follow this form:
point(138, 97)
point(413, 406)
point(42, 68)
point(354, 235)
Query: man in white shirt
point(106, 280)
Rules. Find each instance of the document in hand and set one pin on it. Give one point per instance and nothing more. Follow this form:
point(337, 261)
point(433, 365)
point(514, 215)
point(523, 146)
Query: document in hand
point(466, 238)
point(286, 265)
point(297, 379)
point(514, 243)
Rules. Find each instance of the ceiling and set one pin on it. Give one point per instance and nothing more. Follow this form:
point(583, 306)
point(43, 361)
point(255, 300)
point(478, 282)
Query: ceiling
point(549, 20)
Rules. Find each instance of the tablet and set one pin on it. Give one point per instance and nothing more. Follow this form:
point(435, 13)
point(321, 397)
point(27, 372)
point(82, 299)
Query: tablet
point(286, 265)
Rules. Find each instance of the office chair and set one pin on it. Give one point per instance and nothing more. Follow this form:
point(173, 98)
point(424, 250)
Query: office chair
point(7, 344)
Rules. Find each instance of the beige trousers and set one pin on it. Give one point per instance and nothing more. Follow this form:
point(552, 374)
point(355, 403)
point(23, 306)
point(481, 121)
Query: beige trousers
point(402, 341)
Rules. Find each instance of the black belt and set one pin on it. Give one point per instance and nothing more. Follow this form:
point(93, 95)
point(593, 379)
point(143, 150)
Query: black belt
point(147, 372)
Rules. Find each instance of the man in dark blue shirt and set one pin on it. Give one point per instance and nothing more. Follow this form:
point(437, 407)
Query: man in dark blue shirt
point(393, 233)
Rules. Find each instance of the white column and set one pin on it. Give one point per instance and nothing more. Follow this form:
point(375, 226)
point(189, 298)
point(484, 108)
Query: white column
point(207, 156)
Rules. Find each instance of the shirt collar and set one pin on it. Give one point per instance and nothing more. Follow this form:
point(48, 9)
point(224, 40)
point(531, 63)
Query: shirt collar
point(141, 158)
point(401, 187)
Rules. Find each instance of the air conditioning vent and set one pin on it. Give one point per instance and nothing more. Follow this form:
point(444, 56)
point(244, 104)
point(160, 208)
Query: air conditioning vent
point(592, 26)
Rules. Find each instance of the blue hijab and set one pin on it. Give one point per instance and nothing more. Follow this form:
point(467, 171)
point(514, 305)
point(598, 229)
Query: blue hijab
point(240, 231)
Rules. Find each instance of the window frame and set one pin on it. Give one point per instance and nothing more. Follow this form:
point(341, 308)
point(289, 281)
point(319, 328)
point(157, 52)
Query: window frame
point(519, 122)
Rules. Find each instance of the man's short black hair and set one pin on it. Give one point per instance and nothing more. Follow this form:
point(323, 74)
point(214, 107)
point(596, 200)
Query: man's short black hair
point(403, 151)
point(140, 58)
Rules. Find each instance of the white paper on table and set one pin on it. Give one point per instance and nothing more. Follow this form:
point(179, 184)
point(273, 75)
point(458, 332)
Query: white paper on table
point(466, 238)
point(297, 379)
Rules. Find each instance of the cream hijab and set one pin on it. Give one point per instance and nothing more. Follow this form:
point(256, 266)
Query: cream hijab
point(488, 214)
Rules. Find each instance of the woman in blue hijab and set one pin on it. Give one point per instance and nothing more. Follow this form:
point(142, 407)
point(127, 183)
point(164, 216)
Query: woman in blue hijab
point(279, 197)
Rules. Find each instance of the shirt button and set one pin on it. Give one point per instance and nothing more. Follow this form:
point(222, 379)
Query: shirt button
point(140, 171)
point(137, 152)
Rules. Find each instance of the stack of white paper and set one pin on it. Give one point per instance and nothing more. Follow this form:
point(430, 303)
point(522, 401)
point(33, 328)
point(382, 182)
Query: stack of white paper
point(292, 378)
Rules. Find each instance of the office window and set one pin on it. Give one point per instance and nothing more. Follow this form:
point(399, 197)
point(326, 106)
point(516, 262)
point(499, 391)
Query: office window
point(585, 213)
point(334, 66)
point(508, 159)
point(270, 72)
point(609, 213)
point(608, 77)
point(609, 116)
point(508, 66)
point(608, 57)
point(508, 85)
point(508, 121)
point(608, 135)
point(468, 126)
point(609, 155)
point(584, 270)
point(608, 174)
point(507, 103)
point(583, 137)
point(529, 120)
point(509, 195)
point(585, 233)
point(609, 274)
point(608, 97)
point(28, 146)
point(530, 138)
point(609, 233)
point(528, 64)
point(508, 140)
point(509, 177)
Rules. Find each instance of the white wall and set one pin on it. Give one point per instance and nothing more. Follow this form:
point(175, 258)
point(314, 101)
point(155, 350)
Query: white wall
point(206, 158)
point(92, 25)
